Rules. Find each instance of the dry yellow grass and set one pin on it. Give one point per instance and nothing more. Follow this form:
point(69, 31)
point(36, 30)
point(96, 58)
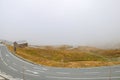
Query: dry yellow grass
point(61, 58)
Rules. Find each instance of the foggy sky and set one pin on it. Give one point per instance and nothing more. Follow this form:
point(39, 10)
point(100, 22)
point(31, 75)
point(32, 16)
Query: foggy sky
point(51, 22)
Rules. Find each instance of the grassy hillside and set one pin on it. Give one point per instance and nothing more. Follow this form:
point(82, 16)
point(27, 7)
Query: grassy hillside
point(66, 57)
point(113, 55)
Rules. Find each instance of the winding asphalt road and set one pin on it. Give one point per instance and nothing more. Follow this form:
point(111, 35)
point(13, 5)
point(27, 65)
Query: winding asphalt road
point(22, 70)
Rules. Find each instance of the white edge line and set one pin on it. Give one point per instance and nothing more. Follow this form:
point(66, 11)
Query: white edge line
point(82, 78)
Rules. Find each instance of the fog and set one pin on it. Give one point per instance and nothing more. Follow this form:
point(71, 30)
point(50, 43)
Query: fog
point(56, 22)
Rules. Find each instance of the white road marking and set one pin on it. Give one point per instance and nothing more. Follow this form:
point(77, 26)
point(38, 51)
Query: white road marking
point(92, 72)
point(14, 64)
point(12, 68)
point(7, 55)
point(37, 68)
point(40, 69)
point(29, 70)
point(20, 59)
point(3, 60)
point(81, 78)
point(117, 71)
point(45, 69)
point(29, 74)
point(5, 63)
point(32, 72)
point(62, 73)
point(35, 73)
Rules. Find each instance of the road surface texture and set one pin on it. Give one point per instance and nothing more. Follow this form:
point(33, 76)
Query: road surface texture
point(23, 70)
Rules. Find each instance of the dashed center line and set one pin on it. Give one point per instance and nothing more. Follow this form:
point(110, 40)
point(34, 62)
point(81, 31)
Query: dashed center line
point(92, 72)
point(7, 55)
point(32, 72)
point(29, 74)
point(12, 68)
point(62, 73)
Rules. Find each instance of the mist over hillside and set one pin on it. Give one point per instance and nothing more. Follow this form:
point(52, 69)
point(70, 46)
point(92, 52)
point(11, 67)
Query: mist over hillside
point(114, 45)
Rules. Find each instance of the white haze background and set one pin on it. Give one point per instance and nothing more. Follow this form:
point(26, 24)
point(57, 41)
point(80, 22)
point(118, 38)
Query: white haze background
point(54, 22)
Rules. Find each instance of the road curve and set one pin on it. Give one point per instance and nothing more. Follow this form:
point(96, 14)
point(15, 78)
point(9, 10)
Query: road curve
point(22, 70)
